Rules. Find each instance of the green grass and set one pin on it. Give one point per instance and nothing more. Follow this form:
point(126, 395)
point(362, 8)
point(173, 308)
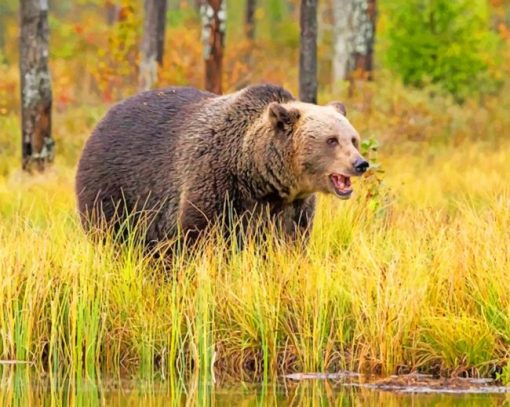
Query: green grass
point(418, 282)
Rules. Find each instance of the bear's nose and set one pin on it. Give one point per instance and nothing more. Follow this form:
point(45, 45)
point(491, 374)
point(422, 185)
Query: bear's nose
point(360, 165)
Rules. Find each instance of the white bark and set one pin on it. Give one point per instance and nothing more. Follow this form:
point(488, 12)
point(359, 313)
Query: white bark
point(36, 95)
point(214, 22)
point(342, 35)
point(363, 21)
point(364, 27)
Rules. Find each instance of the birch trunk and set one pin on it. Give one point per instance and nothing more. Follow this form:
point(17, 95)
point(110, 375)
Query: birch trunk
point(342, 33)
point(363, 22)
point(36, 97)
point(214, 17)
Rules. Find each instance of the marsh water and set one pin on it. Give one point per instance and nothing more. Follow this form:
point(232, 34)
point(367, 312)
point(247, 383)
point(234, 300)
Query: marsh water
point(20, 387)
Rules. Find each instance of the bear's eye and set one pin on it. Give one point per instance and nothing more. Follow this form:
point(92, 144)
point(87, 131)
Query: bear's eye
point(355, 142)
point(332, 141)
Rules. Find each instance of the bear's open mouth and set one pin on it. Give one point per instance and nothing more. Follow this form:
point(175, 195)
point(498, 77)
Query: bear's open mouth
point(341, 185)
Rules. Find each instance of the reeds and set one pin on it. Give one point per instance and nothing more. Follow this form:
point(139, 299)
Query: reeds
point(419, 281)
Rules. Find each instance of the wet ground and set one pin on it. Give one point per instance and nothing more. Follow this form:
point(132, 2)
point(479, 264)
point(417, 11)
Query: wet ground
point(410, 383)
point(20, 387)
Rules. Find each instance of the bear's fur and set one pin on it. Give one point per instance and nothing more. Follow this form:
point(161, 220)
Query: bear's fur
point(188, 159)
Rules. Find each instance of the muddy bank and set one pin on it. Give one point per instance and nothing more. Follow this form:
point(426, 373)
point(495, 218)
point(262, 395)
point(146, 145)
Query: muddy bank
point(410, 383)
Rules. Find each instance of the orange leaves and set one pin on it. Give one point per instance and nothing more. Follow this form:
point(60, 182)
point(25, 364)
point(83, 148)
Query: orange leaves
point(245, 62)
point(117, 66)
point(504, 31)
point(78, 28)
point(182, 63)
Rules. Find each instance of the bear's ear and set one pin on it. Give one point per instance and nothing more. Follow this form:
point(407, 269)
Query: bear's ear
point(282, 119)
point(339, 107)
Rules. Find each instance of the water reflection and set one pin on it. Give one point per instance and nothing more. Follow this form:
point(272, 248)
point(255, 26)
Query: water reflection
point(20, 386)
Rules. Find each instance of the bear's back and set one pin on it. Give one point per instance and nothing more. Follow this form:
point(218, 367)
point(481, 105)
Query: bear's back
point(129, 156)
point(167, 149)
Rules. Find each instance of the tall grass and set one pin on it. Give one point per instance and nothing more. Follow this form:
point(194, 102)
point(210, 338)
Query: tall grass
point(413, 277)
point(420, 282)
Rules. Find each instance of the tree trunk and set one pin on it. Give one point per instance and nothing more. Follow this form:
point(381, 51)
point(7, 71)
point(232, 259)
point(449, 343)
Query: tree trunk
point(160, 47)
point(37, 143)
point(214, 17)
point(3, 18)
point(308, 52)
point(342, 33)
point(249, 19)
point(196, 4)
point(112, 11)
point(363, 21)
point(2, 41)
point(152, 42)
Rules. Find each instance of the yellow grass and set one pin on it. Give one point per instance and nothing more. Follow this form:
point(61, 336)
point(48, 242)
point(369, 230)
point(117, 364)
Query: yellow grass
point(418, 280)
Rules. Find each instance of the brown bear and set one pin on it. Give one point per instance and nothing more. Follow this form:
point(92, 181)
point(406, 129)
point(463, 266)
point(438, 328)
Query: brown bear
point(187, 159)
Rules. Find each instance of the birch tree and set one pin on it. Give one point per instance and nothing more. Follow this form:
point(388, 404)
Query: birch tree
point(308, 51)
point(363, 38)
point(152, 42)
point(36, 97)
point(214, 18)
point(342, 32)
point(354, 35)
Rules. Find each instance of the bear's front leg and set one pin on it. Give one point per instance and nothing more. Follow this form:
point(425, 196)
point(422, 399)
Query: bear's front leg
point(194, 218)
point(298, 219)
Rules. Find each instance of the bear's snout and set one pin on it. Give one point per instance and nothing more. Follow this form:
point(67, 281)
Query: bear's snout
point(360, 165)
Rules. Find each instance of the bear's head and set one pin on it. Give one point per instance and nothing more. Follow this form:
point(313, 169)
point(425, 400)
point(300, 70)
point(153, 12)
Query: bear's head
point(322, 146)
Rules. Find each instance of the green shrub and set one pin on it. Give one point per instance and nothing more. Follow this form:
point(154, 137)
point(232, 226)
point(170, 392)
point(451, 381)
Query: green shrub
point(447, 42)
